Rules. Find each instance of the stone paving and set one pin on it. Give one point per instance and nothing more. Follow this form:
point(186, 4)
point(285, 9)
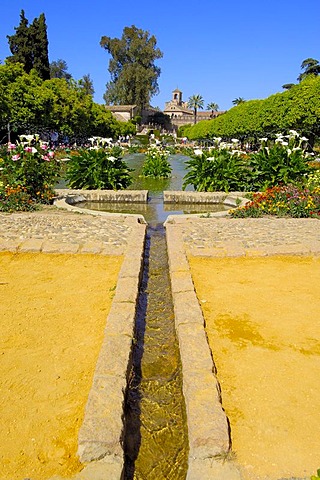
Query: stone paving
point(250, 236)
point(54, 230)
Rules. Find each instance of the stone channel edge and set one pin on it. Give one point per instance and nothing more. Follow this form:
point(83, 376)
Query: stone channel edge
point(100, 436)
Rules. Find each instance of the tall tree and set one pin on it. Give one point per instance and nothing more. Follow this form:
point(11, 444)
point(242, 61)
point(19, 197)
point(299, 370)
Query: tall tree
point(310, 67)
point(38, 34)
point(20, 44)
point(195, 102)
point(134, 75)
point(238, 100)
point(86, 84)
point(59, 69)
point(29, 45)
point(214, 107)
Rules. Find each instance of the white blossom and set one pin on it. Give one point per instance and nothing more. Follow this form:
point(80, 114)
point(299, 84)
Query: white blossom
point(198, 151)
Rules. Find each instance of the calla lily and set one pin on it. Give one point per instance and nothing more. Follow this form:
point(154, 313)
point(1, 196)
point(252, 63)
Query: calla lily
point(198, 151)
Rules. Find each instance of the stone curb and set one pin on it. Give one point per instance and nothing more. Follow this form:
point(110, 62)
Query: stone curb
point(100, 436)
point(208, 429)
point(233, 199)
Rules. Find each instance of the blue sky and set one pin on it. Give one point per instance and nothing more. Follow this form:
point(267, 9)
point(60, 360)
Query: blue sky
point(218, 49)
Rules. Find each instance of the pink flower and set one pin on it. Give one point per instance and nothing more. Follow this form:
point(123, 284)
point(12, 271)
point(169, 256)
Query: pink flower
point(28, 149)
point(44, 146)
point(51, 154)
point(11, 146)
point(15, 157)
point(46, 158)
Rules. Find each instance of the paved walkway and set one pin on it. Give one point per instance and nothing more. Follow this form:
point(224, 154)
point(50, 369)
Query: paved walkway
point(250, 236)
point(54, 230)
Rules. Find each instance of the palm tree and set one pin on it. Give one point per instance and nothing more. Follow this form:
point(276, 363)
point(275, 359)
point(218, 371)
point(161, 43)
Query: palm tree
point(214, 107)
point(310, 67)
point(287, 86)
point(195, 102)
point(238, 100)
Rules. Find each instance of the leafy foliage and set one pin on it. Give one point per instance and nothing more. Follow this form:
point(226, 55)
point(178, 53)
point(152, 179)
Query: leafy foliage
point(134, 75)
point(15, 199)
point(156, 163)
point(195, 102)
point(224, 167)
point(296, 108)
point(98, 168)
point(29, 45)
point(31, 165)
point(282, 162)
point(282, 201)
point(215, 170)
point(30, 104)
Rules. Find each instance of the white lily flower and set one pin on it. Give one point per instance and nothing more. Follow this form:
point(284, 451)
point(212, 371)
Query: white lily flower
point(198, 151)
point(278, 140)
point(285, 144)
point(112, 159)
point(235, 140)
point(289, 151)
point(304, 139)
point(294, 133)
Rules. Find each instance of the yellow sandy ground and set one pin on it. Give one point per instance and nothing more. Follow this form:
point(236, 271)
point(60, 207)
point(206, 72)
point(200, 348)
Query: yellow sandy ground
point(263, 325)
point(52, 317)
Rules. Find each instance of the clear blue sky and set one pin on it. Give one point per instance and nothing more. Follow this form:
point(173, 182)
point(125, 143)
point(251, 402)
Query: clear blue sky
point(218, 49)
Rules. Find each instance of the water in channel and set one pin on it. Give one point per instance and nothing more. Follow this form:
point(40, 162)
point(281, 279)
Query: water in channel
point(156, 439)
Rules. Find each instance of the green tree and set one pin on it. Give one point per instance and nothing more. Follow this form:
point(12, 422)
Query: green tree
point(287, 86)
point(134, 75)
point(38, 33)
point(195, 102)
point(86, 85)
point(20, 44)
point(29, 45)
point(59, 69)
point(214, 107)
point(238, 100)
point(310, 67)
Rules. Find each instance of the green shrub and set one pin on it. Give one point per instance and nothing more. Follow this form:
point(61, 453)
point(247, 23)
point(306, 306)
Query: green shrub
point(156, 163)
point(216, 170)
point(281, 162)
point(32, 165)
point(15, 199)
point(98, 168)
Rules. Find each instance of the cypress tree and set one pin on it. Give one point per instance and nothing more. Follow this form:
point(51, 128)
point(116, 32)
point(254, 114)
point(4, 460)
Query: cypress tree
point(38, 35)
point(20, 44)
point(29, 45)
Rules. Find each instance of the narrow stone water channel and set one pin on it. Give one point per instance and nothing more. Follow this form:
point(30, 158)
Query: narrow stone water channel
point(156, 443)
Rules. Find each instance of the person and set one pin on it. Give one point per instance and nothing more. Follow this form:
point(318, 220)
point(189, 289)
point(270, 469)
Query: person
point(54, 136)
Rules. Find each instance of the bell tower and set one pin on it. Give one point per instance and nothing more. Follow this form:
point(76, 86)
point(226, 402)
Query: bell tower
point(177, 97)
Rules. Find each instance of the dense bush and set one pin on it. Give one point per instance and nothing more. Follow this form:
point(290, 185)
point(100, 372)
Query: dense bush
point(297, 108)
point(98, 168)
point(30, 164)
point(14, 199)
point(156, 163)
point(215, 170)
point(225, 167)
